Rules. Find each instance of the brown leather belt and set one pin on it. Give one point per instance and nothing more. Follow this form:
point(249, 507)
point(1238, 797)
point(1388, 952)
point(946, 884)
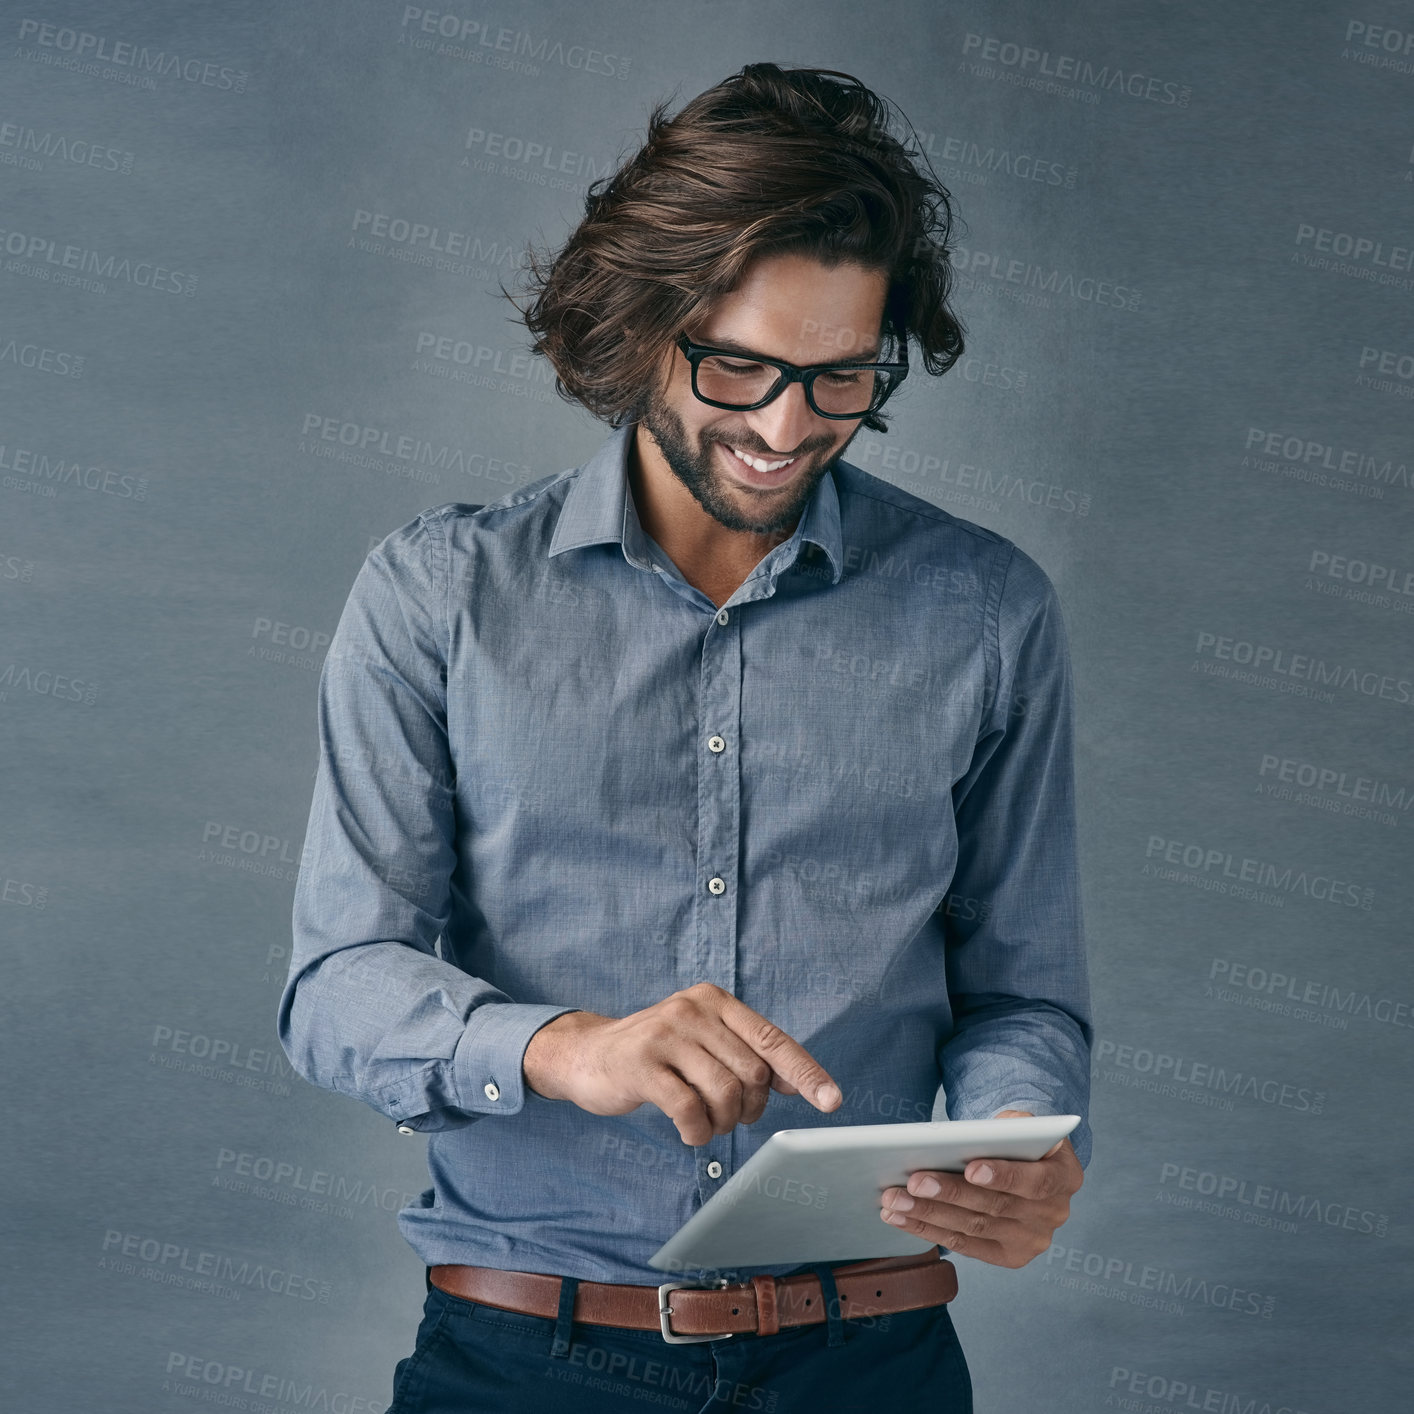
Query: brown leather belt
point(699, 1311)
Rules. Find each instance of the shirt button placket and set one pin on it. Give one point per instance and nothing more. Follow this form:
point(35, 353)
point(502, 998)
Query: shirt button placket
point(719, 836)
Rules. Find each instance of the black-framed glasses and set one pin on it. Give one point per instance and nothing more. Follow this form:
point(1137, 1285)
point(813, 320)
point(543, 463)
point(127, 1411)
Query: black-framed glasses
point(740, 382)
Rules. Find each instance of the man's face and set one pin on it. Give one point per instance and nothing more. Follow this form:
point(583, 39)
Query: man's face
point(789, 307)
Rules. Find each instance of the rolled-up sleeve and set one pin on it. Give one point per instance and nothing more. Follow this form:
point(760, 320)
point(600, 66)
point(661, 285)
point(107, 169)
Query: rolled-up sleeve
point(369, 1009)
point(1015, 952)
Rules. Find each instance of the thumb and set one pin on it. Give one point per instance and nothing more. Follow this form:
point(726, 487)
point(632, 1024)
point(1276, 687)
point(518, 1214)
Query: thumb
point(1026, 1114)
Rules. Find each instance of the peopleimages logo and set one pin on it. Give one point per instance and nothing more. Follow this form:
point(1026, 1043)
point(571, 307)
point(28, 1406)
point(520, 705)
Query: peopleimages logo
point(1359, 257)
point(473, 41)
point(1266, 1198)
point(50, 471)
point(60, 362)
point(1379, 46)
point(1319, 785)
point(24, 147)
point(1315, 455)
point(1266, 658)
point(46, 253)
point(318, 1190)
point(134, 1253)
point(224, 1383)
point(1397, 579)
point(1262, 873)
point(83, 49)
point(1388, 363)
point(1267, 985)
point(533, 158)
point(788, 1190)
point(957, 476)
point(972, 265)
point(423, 242)
point(1121, 1272)
point(1183, 1394)
point(403, 454)
point(1361, 248)
point(976, 162)
point(1183, 1071)
point(1026, 60)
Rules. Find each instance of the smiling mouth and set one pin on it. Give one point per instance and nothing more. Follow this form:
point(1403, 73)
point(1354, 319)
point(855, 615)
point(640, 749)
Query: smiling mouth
point(764, 465)
point(748, 475)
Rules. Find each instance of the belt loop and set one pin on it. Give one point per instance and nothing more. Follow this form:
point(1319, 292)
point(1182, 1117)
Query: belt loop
point(427, 1279)
point(768, 1316)
point(560, 1341)
point(834, 1314)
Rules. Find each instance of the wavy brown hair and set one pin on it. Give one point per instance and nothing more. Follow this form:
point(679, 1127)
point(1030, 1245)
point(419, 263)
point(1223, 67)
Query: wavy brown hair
point(769, 161)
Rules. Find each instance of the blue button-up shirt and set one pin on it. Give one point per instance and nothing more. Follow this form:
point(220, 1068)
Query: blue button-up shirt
point(554, 776)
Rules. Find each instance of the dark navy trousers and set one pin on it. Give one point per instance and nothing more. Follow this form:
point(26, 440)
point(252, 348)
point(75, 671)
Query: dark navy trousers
point(475, 1359)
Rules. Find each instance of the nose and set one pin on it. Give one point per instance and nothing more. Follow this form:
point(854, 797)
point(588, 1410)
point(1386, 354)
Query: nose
point(787, 421)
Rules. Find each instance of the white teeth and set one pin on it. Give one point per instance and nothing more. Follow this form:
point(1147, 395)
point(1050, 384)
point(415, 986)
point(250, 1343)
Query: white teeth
point(757, 464)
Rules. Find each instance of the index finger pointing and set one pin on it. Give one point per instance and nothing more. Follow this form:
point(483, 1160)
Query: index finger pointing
point(790, 1062)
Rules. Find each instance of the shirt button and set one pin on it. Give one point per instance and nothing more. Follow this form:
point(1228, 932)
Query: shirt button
point(406, 1129)
point(714, 1169)
point(716, 886)
point(492, 1093)
point(721, 616)
point(715, 743)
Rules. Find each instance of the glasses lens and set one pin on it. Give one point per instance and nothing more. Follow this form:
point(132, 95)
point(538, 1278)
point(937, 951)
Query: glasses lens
point(850, 391)
point(740, 383)
point(734, 380)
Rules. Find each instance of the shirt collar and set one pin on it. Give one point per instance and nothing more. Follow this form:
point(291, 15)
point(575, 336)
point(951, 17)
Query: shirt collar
point(598, 509)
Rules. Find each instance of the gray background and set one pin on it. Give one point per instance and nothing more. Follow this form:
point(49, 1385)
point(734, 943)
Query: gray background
point(1208, 451)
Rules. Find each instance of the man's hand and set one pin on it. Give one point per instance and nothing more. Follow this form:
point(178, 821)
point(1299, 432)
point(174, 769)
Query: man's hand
point(704, 1057)
point(1005, 1219)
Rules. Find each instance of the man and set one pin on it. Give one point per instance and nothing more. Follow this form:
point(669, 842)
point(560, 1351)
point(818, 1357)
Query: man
point(665, 791)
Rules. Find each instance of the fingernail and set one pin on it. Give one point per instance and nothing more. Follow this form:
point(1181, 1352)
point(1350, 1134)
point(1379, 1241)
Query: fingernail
point(827, 1094)
point(902, 1202)
point(983, 1175)
point(927, 1187)
point(895, 1218)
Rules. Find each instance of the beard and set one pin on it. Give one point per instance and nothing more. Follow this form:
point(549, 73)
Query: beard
point(698, 468)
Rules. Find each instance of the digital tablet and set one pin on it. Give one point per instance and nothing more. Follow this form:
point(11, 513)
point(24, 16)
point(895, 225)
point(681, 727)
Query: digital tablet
point(813, 1195)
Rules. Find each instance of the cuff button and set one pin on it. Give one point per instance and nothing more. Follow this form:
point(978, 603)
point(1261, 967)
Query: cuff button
point(492, 1093)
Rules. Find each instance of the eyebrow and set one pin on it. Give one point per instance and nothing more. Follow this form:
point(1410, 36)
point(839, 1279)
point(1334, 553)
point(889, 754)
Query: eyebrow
point(731, 346)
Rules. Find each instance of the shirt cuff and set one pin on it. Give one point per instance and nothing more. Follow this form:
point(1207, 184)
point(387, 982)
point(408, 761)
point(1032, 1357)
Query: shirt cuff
point(489, 1055)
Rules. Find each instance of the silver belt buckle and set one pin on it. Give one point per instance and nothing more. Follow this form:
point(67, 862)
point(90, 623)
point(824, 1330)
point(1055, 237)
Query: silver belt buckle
point(664, 1311)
